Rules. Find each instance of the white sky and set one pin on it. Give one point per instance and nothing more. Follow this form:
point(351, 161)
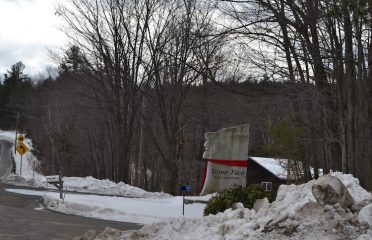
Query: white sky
point(28, 28)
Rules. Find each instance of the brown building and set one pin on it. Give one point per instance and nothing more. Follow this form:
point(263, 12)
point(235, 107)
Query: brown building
point(269, 172)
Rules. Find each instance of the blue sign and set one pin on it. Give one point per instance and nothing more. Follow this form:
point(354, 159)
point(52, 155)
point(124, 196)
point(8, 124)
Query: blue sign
point(186, 188)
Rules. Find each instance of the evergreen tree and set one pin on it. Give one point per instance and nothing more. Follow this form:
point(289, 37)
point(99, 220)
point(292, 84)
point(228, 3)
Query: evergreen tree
point(12, 92)
point(72, 61)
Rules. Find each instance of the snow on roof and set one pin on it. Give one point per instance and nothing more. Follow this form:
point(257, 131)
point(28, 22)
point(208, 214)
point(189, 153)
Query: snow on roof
point(274, 165)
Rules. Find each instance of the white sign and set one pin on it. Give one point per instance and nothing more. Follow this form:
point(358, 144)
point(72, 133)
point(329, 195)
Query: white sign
point(226, 154)
point(227, 144)
point(51, 179)
point(219, 177)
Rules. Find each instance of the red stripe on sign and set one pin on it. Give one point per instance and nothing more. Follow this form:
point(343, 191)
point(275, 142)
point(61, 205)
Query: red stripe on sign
point(204, 175)
point(237, 163)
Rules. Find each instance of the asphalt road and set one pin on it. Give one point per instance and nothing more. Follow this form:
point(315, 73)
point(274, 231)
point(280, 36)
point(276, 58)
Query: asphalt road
point(20, 220)
point(5, 161)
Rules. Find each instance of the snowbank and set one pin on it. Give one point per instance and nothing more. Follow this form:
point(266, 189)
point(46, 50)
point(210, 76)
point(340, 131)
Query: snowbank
point(137, 210)
point(358, 193)
point(365, 215)
point(84, 185)
point(295, 214)
point(7, 135)
point(107, 187)
point(85, 209)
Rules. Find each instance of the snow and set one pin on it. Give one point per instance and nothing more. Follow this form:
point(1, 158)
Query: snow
point(365, 215)
point(7, 135)
point(273, 165)
point(292, 197)
point(137, 210)
point(204, 198)
point(26, 192)
point(358, 193)
point(367, 236)
point(293, 215)
point(107, 187)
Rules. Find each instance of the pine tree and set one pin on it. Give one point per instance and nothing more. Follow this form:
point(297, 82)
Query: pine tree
point(14, 87)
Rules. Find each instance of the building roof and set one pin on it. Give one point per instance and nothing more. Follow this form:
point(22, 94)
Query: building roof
point(274, 165)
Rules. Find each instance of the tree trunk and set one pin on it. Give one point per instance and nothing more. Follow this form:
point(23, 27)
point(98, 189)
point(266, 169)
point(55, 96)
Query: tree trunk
point(350, 94)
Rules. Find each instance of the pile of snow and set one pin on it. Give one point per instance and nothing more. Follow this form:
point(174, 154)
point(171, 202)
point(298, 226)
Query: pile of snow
point(295, 214)
point(365, 215)
point(7, 135)
point(358, 193)
point(85, 185)
point(107, 187)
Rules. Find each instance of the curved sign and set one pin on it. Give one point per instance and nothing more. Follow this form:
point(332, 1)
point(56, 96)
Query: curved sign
point(226, 154)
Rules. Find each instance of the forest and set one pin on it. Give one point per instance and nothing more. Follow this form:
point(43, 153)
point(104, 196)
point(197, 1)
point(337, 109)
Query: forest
point(142, 81)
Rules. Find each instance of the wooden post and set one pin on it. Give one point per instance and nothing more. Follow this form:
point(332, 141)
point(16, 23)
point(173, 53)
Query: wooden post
point(20, 171)
point(183, 203)
point(15, 140)
point(60, 187)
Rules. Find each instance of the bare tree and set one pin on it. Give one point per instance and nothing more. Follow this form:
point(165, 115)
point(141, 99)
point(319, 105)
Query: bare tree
point(182, 55)
point(112, 35)
point(317, 40)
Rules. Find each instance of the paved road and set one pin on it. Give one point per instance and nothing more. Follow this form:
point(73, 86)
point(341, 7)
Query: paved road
point(19, 219)
point(5, 161)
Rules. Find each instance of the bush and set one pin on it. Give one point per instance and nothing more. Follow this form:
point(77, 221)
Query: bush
point(246, 195)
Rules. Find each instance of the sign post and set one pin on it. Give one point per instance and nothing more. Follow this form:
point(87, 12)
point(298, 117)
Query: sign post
point(57, 181)
point(184, 188)
point(21, 149)
point(15, 140)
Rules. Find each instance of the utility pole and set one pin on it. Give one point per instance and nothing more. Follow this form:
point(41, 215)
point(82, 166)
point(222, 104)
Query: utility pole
point(15, 140)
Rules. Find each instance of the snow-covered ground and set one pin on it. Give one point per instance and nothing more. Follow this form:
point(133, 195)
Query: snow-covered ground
point(295, 214)
point(138, 210)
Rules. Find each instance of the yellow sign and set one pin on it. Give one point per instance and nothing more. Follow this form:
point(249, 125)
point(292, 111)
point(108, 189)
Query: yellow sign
point(20, 138)
point(21, 148)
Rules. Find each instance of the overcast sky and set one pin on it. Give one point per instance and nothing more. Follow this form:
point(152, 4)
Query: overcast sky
point(28, 28)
